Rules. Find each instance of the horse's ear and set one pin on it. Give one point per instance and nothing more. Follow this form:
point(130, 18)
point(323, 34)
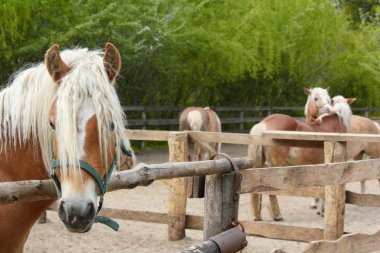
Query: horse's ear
point(328, 88)
point(54, 63)
point(112, 61)
point(307, 91)
point(350, 100)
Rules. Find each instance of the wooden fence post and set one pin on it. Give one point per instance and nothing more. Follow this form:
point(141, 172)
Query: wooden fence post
point(334, 194)
point(221, 204)
point(178, 148)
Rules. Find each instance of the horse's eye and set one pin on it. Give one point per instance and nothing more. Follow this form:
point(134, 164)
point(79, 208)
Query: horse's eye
point(112, 126)
point(315, 99)
point(52, 125)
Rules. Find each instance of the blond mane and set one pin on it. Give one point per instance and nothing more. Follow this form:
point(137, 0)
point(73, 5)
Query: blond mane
point(26, 101)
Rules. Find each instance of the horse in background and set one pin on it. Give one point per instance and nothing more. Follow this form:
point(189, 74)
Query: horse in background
point(200, 119)
point(59, 118)
point(274, 156)
point(359, 125)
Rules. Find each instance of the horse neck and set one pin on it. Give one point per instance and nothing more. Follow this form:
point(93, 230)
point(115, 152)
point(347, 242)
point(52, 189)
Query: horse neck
point(18, 163)
point(22, 162)
point(311, 114)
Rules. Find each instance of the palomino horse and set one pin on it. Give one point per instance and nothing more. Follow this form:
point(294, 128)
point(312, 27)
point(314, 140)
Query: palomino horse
point(200, 119)
point(360, 125)
point(74, 92)
point(283, 155)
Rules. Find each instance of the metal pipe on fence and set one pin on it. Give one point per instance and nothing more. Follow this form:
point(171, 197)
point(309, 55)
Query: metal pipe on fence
point(229, 241)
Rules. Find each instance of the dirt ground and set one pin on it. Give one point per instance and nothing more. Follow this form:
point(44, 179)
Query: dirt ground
point(136, 237)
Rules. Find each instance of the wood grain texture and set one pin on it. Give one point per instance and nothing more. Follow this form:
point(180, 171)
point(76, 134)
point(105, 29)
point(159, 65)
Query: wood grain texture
point(178, 188)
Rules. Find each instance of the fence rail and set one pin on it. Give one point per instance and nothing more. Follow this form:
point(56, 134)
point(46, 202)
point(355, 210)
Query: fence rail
point(138, 115)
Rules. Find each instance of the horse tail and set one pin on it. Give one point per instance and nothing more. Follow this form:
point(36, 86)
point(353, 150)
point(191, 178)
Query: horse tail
point(194, 120)
point(255, 151)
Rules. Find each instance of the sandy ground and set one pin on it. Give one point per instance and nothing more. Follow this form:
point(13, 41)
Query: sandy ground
point(148, 237)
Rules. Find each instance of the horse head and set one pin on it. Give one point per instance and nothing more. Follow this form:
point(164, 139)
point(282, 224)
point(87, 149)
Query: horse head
point(318, 102)
point(87, 130)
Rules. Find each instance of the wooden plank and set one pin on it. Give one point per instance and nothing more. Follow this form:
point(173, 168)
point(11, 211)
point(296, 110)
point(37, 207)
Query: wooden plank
point(334, 194)
point(292, 177)
point(221, 205)
point(283, 232)
point(307, 192)
point(178, 188)
point(212, 206)
point(352, 243)
point(230, 138)
point(147, 135)
point(360, 199)
point(319, 136)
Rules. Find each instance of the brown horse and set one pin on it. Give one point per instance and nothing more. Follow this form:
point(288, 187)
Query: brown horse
point(74, 92)
point(282, 155)
point(200, 119)
point(359, 125)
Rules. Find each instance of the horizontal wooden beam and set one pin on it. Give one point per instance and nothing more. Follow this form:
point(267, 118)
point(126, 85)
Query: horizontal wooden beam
point(277, 231)
point(360, 199)
point(283, 232)
point(140, 175)
point(319, 136)
point(148, 135)
point(307, 192)
point(292, 177)
point(231, 138)
point(350, 243)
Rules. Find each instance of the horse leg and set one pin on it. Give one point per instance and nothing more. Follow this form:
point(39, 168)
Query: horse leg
point(256, 206)
point(274, 209)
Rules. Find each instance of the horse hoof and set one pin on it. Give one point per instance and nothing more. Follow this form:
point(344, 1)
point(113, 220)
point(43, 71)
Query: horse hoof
point(313, 206)
point(258, 219)
point(278, 219)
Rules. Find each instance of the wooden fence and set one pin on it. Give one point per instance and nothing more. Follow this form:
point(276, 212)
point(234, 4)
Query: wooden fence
point(237, 116)
point(327, 179)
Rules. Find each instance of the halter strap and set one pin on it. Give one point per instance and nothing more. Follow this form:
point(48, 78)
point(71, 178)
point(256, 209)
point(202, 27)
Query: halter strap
point(101, 183)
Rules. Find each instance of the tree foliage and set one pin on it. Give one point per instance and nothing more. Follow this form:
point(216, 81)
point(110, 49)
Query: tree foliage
point(206, 52)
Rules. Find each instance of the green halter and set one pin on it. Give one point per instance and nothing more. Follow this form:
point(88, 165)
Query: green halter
point(102, 183)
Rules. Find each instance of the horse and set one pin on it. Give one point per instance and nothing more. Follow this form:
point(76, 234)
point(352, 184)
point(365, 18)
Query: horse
point(200, 119)
point(360, 125)
point(279, 155)
point(62, 119)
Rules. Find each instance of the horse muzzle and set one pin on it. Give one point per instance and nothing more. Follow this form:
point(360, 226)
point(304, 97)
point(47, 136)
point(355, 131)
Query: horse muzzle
point(77, 217)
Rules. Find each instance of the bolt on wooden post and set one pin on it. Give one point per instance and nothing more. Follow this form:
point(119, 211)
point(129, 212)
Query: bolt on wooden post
point(334, 194)
point(178, 148)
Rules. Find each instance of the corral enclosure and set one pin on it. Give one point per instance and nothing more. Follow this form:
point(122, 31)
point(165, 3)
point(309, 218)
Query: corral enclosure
point(298, 209)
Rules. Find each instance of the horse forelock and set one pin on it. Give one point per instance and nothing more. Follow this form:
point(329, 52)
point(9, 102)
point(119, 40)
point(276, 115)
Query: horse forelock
point(87, 80)
point(26, 101)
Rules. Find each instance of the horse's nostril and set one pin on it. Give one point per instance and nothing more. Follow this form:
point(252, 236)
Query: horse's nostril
point(62, 213)
point(90, 211)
